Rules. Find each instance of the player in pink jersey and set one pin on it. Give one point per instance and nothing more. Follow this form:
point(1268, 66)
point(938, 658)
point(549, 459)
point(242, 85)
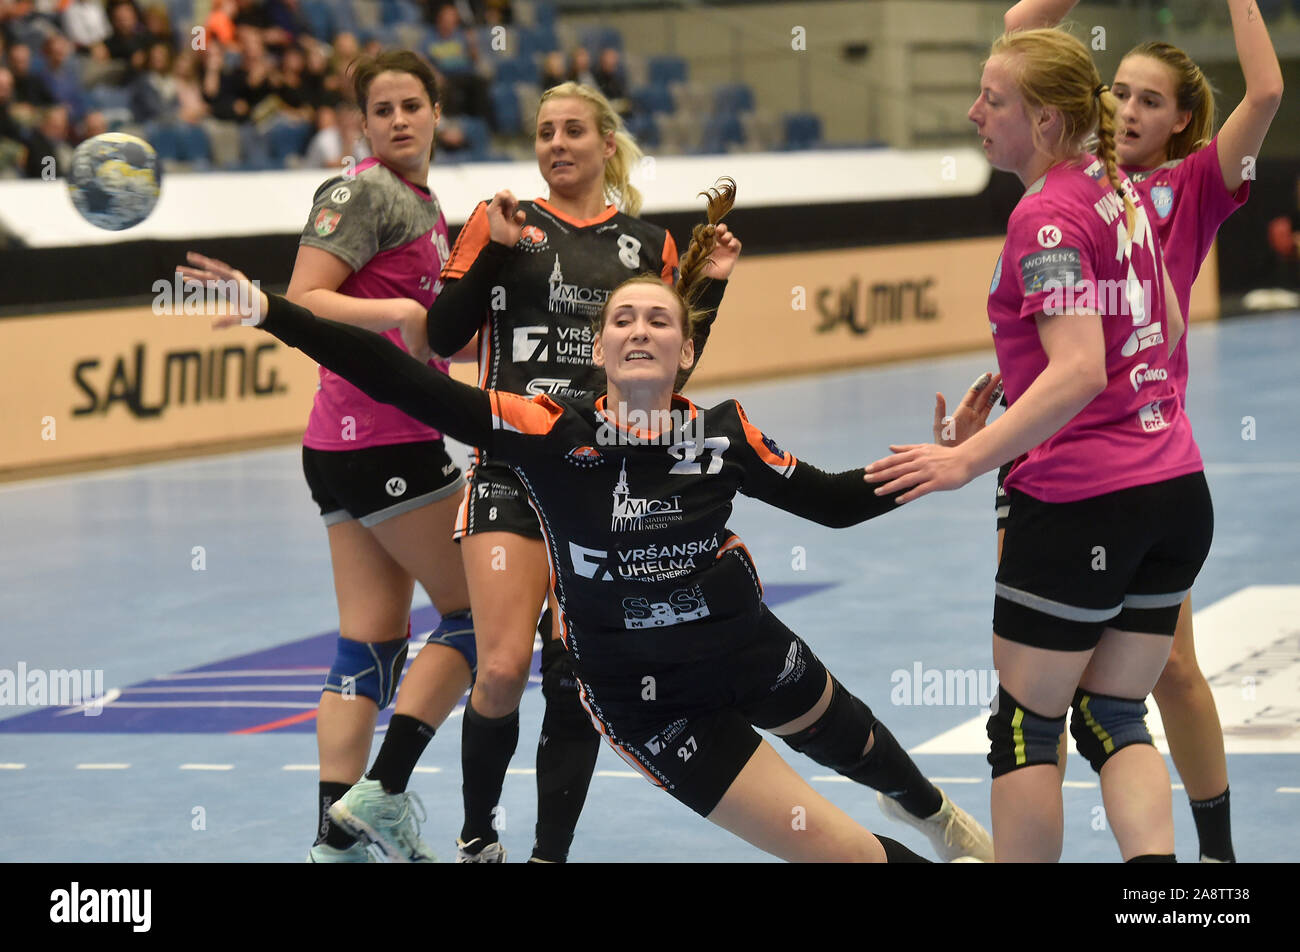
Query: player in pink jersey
point(1110, 515)
point(1165, 142)
point(370, 256)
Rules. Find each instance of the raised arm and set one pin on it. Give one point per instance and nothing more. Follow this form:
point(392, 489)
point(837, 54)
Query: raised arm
point(1033, 14)
point(1243, 132)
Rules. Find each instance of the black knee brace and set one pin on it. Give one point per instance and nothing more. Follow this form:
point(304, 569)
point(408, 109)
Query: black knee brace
point(1020, 738)
point(565, 716)
point(840, 735)
point(1103, 725)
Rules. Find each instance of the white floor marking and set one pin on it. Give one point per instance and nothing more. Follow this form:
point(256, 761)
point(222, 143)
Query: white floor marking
point(207, 766)
point(102, 766)
point(1248, 645)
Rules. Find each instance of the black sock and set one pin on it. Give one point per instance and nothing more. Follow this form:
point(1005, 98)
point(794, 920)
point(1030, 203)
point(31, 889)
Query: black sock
point(327, 831)
point(1214, 827)
point(566, 757)
point(400, 752)
point(896, 852)
point(887, 768)
point(1152, 858)
point(486, 746)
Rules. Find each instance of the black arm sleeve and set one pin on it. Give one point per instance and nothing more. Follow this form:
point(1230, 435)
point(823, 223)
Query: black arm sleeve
point(830, 499)
point(457, 312)
point(710, 300)
point(384, 372)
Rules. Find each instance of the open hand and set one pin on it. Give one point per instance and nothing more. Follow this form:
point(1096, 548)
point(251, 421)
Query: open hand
point(971, 414)
point(232, 297)
point(919, 468)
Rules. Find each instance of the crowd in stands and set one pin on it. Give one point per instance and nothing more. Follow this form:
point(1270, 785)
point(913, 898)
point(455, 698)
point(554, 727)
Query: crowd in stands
point(261, 84)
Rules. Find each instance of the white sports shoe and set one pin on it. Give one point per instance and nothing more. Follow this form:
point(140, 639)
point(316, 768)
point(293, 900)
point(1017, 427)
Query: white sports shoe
point(356, 853)
point(954, 832)
point(388, 820)
point(492, 853)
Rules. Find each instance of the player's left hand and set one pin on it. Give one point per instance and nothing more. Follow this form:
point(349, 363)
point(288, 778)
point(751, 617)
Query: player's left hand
point(238, 300)
point(919, 468)
point(971, 414)
point(723, 258)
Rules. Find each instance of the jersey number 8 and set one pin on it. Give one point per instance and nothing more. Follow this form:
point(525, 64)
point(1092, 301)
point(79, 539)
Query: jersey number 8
point(629, 250)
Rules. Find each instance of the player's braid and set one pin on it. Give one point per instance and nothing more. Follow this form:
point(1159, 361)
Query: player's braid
point(704, 238)
point(1106, 108)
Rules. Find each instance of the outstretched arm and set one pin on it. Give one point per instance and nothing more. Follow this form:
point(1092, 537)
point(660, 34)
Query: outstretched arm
point(1032, 14)
point(1243, 132)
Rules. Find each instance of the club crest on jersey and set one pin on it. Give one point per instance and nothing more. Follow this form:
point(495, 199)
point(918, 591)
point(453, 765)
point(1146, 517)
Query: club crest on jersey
point(584, 457)
point(631, 514)
point(1162, 197)
point(327, 221)
point(532, 239)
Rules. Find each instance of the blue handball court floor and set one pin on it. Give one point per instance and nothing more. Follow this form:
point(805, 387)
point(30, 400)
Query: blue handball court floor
point(204, 747)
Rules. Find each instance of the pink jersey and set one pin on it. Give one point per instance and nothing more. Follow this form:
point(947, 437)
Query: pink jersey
point(394, 237)
point(1190, 203)
point(1067, 250)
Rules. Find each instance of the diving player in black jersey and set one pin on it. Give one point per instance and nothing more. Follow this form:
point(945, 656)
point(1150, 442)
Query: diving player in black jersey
point(660, 606)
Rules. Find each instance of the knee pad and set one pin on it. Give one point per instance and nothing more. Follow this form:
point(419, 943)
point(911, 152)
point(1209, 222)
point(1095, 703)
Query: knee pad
point(456, 630)
point(369, 669)
point(1020, 738)
point(839, 736)
point(1102, 725)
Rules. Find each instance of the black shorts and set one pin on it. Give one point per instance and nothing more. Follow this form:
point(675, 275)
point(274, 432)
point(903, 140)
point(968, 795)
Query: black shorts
point(379, 482)
point(689, 729)
point(1123, 560)
point(1001, 502)
point(496, 501)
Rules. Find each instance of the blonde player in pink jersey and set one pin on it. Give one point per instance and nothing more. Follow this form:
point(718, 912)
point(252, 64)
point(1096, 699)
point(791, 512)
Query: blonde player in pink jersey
point(1110, 517)
point(370, 256)
point(1194, 179)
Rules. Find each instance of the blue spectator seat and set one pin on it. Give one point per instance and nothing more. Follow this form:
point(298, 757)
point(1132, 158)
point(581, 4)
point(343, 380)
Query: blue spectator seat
point(720, 132)
point(287, 138)
point(517, 70)
point(651, 99)
point(505, 108)
point(644, 129)
point(598, 38)
point(320, 19)
point(803, 130)
point(666, 69)
point(537, 41)
point(544, 13)
point(733, 98)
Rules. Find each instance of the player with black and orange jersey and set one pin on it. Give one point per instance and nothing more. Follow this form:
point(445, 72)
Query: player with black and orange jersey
point(659, 603)
point(533, 299)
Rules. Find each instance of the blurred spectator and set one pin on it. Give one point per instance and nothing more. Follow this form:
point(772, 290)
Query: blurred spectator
point(554, 70)
point(158, 24)
point(338, 139)
point(93, 125)
point(63, 73)
point(189, 93)
point(580, 67)
point(153, 92)
point(292, 87)
point(129, 39)
point(14, 11)
point(30, 87)
point(49, 139)
point(346, 51)
point(286, 23)
point(318, 78)
point(13, 154)
point(455, 57)
point(238, 92)
point(86, 23)
point(609, 76)
point(221, 21)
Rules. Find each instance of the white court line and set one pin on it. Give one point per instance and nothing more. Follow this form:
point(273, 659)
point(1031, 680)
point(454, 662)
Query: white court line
point(428, 770)
point(956, 779)
point(617, 773)
point(102, 766)
point(1079, 784)
point(306, 767)
point(521, 771)
point(207, 766)
point(219, 688)
point(830, 778)
point(12, 766)
point(1288, 790)
point(1251, 469)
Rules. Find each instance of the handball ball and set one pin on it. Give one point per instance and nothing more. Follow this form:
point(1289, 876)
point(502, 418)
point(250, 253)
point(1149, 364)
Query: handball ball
point(115, 180)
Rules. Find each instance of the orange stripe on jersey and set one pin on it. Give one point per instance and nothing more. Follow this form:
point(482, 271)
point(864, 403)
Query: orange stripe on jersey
point(609, 212)
point(473, 238)
point(669, 272)
point(618, 748)
point(462, 514)
point(767, 450)
point(519, 414)
point(735, 543)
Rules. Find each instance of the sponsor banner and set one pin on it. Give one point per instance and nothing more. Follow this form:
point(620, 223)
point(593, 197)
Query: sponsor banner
point(105, 385)
point(805, 312)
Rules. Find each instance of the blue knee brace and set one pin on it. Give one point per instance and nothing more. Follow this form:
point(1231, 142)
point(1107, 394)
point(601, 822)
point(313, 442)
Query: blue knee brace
point(456, 630)
point(1102, 725)
point(1020, 738)
point(370, 669)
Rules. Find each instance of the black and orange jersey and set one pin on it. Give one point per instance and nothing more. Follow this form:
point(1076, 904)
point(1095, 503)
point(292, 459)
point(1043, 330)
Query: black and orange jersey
point(634, 511)
point(535, 334)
